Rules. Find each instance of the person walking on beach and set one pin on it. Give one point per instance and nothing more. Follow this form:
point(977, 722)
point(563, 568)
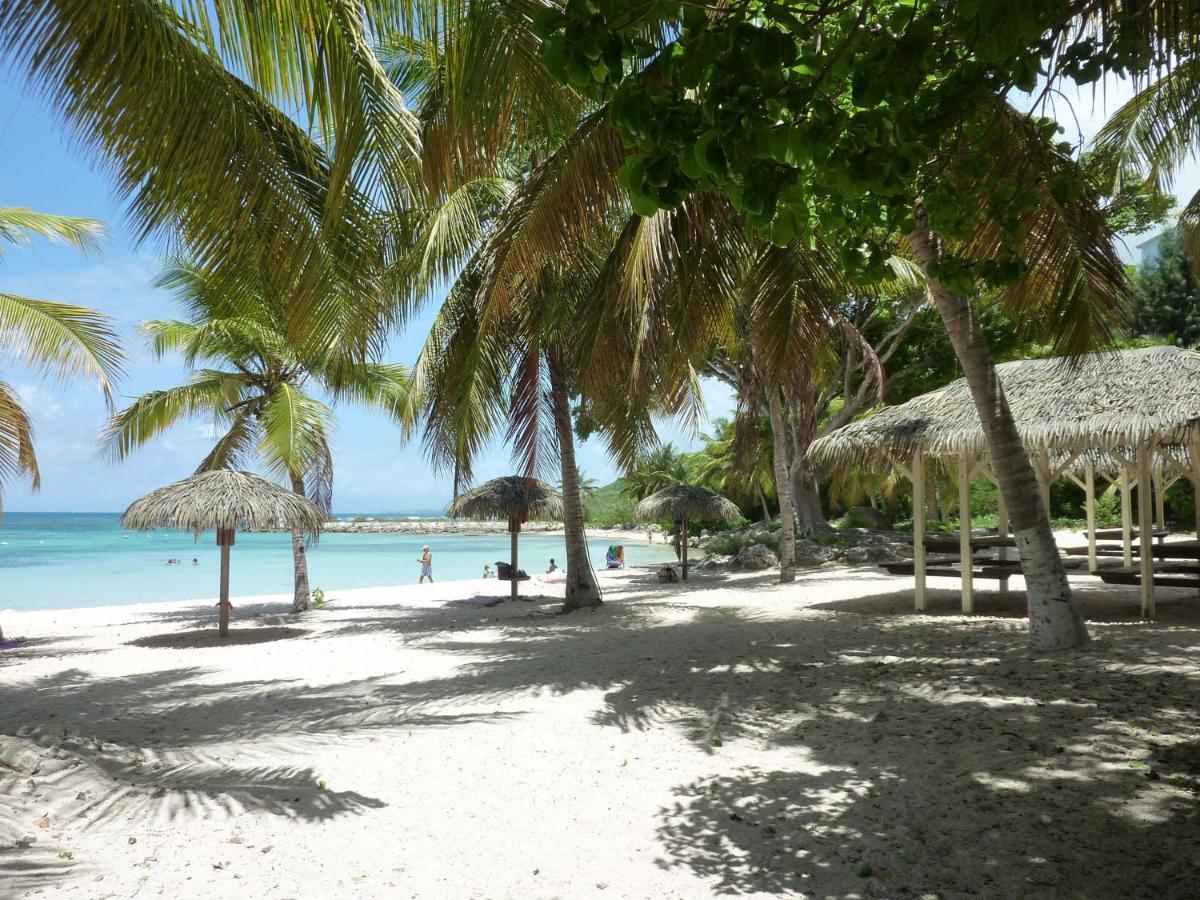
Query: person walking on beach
point(426, 562)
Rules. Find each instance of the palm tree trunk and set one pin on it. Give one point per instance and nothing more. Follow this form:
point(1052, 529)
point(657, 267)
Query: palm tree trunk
point(783, 487)
point(1054, 620)
point(225, 540)
point(514, 528)
point(582, 591)
point(806, 496)
point(301, 595)
point(684, 528)
point(762, 497)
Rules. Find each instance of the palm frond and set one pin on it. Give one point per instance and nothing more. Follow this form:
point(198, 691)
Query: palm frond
point(294, 431)
point(18, 225)
point(215, 395)
point(61, 340)
point(17, 458)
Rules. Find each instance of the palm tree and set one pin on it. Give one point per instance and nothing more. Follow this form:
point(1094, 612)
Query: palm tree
point(249, 188)
point(660, 468)
point(58, 340)
point(257, 388)
point(738, 462)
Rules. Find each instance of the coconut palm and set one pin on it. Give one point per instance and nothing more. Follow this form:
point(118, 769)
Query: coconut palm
point(181, 102)
point(740, 465)
point(260, 392)
point(59, 340)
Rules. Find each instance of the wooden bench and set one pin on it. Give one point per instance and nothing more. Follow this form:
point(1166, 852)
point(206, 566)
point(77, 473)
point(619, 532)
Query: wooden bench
point(995, 572)
point(1177, 575)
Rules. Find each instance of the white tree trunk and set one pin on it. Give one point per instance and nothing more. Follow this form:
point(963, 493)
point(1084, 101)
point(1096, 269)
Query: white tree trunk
point(1054, 620)
point(582, 591)
point(783, 487)
point(301, 593)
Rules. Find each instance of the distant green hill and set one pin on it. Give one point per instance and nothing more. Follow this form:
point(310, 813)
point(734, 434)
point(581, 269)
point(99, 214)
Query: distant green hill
point(608, 506)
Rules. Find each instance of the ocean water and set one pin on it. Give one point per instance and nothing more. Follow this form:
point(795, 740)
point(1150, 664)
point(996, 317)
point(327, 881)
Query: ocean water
point(65, 560)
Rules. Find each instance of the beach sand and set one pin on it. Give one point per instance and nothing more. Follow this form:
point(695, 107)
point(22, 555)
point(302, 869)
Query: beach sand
point(730, 737)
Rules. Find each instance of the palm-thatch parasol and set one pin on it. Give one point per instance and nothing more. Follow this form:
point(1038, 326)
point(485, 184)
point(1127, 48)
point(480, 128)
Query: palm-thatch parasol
point(513, 498)
point(225, 501)
point(686, 501)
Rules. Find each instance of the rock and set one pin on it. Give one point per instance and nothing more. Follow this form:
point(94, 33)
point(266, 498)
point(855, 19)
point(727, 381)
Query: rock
point(755, 557)
point(713, 562)
point(21, 755)
point(866, 554)
point(810, 553)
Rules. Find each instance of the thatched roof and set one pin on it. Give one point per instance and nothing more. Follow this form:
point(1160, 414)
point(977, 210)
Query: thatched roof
point(1100, 401)
point(510, 497)
point(689, 500)
point(224, 499)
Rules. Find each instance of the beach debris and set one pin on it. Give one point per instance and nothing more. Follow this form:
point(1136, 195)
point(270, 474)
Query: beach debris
point(132, 840)
point(44, 821)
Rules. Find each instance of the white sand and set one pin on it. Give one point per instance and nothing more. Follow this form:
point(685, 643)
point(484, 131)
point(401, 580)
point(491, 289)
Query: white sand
point(730, 738)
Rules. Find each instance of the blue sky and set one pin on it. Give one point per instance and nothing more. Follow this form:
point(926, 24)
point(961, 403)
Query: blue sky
point(39, 168)
point(375, 470)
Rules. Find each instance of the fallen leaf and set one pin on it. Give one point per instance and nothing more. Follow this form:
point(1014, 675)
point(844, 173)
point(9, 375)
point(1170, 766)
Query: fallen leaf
point(235, 839)
point(133, 840)
point(44, 821)
point(266, 849)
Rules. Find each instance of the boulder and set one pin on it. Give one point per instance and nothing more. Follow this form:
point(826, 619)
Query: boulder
point(810, 553)
point(714, 562)
point(755, 557)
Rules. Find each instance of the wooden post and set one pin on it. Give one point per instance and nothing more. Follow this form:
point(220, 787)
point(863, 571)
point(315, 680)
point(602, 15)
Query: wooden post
point(964, 530)
point(1194, 456)
point(918, 503)
point(684, 547)
point(1160, 508)
point(1043, 473)
point(224, 541)
point(514, 528)
point(1145, 527)
point(1126, 515)
point(1090, 492)
point(1002, 532)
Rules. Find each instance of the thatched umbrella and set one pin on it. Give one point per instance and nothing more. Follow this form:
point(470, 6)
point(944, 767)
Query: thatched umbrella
point(513, 498)
point(686, 501)
point(225, 501)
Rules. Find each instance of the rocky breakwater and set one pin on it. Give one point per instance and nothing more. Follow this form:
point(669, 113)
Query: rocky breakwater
point(430, 526)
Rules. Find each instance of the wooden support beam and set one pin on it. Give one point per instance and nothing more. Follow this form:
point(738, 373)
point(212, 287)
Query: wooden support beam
point(1126, 515)
point(964, 530)
point(1146, 526)
point(1160, 488)
point(918, 503)
point(1002, 531)
point(1089, 488)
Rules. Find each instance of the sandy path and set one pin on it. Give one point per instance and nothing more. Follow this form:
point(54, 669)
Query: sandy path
point(731, 738)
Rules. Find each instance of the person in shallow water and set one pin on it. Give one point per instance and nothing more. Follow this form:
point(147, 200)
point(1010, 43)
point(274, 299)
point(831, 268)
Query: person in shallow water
point(426, 562)
point(487, 572)
point(553, 566)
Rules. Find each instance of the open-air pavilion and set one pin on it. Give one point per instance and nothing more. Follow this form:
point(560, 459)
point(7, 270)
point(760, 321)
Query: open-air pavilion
point(1130, 417)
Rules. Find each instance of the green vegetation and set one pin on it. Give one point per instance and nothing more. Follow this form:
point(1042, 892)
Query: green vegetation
point(610, 505)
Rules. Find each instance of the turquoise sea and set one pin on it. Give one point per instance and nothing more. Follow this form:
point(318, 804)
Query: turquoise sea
point(63, 560)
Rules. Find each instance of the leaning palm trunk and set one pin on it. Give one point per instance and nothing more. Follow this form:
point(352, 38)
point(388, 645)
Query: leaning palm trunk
point(301, 594)
point(1054, 620)
point(582, 592)
point(783, 487)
